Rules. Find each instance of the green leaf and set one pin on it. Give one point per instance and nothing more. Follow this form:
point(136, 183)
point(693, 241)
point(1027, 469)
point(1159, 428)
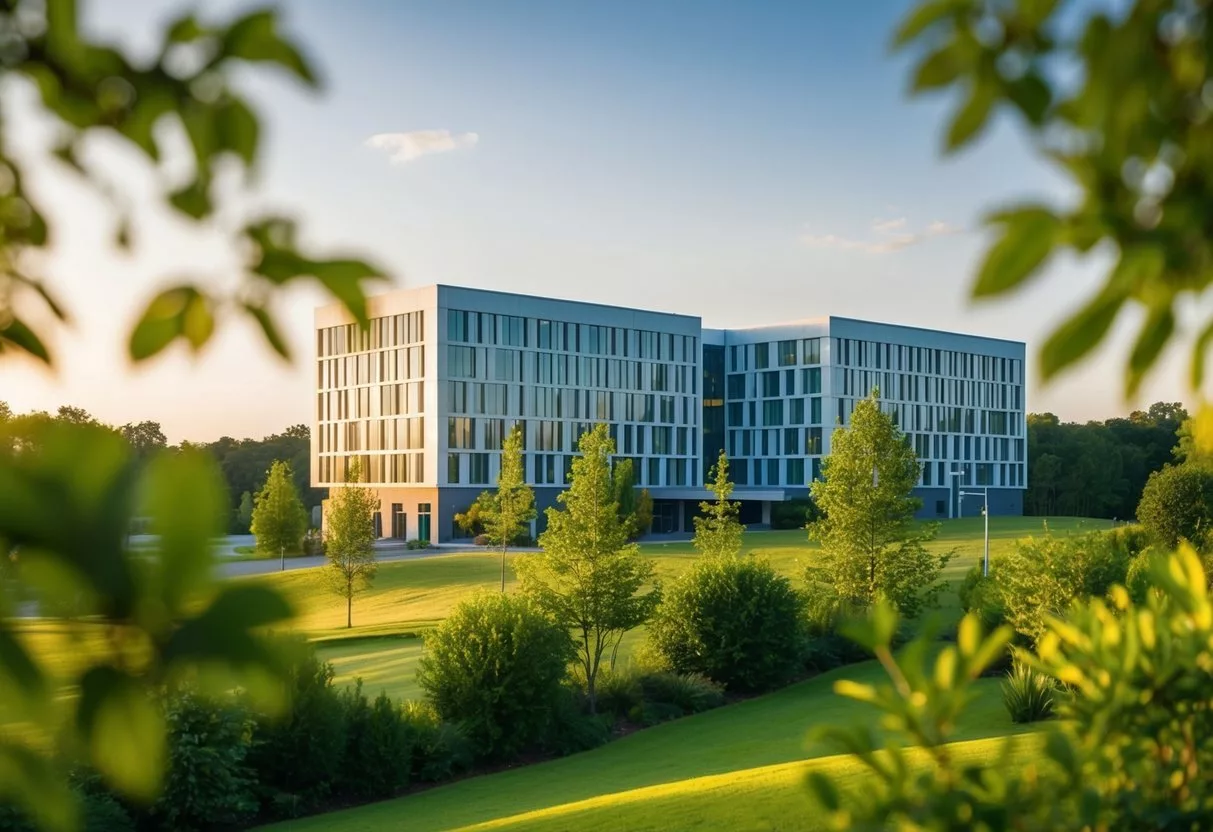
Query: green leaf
point(1080, 333)
point(253, 38)
point(161, 322)
point(1029, 236)
point(269, 329)
point(20, 679)
point(15, 333)
point(194, 199)
point(237, 129)
point(940, 68)
point(1032, 96)
point(224, 631)
point(185, 497)
point(971, 118)
point(1155, 332)
point(49, 299)
point(35, 783)
point(198, 322)
point(124, 731)
point(924, 17)
point(184, 29)
point(1199, 349)
point(343, 279)
point(825, 791)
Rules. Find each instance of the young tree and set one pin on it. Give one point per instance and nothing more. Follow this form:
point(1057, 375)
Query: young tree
point(642, 518)
point(349, 537)
point(244, 514)
point(624, 483)
point(279, 520)
point(871, 547)
point(589, 578)
point(718, 532)
point(506, 512)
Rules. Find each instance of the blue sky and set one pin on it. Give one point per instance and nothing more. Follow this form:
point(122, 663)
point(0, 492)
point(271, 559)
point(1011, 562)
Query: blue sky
point(750, 163)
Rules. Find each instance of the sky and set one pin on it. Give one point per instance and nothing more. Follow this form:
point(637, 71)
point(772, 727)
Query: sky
point(747, 163)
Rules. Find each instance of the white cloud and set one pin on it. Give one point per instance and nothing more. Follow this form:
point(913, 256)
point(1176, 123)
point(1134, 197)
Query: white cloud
point(885, 236)
point(405, 147)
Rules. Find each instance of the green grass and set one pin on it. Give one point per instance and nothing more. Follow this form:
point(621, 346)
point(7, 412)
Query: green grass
point(738, 767)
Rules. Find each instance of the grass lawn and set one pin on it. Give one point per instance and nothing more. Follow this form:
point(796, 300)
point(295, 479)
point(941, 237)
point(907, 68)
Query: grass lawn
point(738, 767)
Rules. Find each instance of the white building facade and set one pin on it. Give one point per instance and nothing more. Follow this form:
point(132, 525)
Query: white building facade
point(424, 399)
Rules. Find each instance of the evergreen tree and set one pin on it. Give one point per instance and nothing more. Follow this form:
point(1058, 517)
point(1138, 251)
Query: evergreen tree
point(349, 538)
point(718, 532)
point(589, 577)
point(871, 545)
point(279, 520)
point(506, 513)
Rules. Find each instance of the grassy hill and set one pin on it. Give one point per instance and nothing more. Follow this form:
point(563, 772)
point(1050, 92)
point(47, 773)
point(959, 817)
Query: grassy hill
point(738, 767)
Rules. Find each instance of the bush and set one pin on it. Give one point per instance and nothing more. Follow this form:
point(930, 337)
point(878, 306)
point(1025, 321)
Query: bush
point(572, 728)
point(979, 594)
point(417, 544)
point(735, 620)
point(313, 543)
point(495, 666)
point(825, 648)
point(480, 540)
point(1043, 576)
point(793, 514)
point(439, 750)
point(619, 691)
point(672, 695)
point(377, 745)
point(298, 756)
point(1177, 504)
point(208, 783)
point(1028, 694)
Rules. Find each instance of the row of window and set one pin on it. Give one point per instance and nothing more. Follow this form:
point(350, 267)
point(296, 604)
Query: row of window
point(793, 473)
point(849, 352)
point(772, 383)
point(371, 402)
point(465, 433)
point(375, 435)
point(774, 412)
point(785, 442)
point(788, 353)
point(389, 331)
point(1000, 474)
point(936, 418)
point(501, 364)
point(371, 368)
point(588, 339)
point(897, 386)
point(376, 468)
point(489, 399)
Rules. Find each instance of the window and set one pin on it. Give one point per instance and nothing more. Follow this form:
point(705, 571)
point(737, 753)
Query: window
point(478, 469)
point(736, 386)
point(461, 432)
point(494, 433)
point(812, 380)
point(452, 468)
point(791, 441)
point(812, 350)
point(770, 384)
point(812, 441)
point(796, 472)
point(787, 353)
point(460, 362)
point(506, 365)
point(735, 414)
point(762, 356)
point(815, 411)
point(796, 412)
point(772, 412)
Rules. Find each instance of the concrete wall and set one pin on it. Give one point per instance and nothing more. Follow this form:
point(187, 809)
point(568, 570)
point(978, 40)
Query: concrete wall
point(1004, 502)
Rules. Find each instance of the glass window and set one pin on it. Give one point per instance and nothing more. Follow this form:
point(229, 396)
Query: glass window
point(812, 350)
point(452, 468)
point(812, 380)
point(772, 412)
point(770, 384)
point(791, 441)
point(762, 356)
point(796, 412)
point(787, 353)
point(736, 386)
point(796, 472)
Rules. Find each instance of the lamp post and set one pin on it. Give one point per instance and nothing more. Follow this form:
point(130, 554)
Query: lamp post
point(985, 509)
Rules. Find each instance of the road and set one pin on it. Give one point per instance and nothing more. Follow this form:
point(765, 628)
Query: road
point(383, 554)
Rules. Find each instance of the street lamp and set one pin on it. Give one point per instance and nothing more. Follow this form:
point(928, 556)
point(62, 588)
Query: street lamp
point(984, 493)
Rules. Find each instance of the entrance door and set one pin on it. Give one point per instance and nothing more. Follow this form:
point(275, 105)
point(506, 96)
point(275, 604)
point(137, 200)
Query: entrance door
point(399, 521)
point(378, 525)
point(423, 522)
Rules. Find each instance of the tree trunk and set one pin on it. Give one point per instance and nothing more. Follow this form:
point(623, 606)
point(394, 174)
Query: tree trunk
point(592, 694)
point(503, 548)
point(349, 611)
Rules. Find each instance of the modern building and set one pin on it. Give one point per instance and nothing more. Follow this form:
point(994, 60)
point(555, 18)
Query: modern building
point(426, 396)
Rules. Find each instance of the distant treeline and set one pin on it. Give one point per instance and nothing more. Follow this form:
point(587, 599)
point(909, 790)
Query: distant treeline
point(244, 462)
point(1098, 469)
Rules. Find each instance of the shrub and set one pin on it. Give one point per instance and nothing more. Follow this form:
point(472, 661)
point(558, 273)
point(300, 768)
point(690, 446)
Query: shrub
point(619, 691)
point(99, 810)
point(1044, 576)
point(377, 745)
point(1177, 504)
point(735, 620)
point(793, 514)
point(298, 756)
point(417, 544)
point(572, 728)
point(313, 542)
point(439, 750)
point(824, 646)
point(1028, 694)
point(480, 540)
point(495, 666)
point(979, 594)
point(208, 782)
point(688, 693)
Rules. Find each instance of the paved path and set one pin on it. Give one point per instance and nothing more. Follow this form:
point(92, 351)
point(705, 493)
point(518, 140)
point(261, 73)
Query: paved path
point(383, 554)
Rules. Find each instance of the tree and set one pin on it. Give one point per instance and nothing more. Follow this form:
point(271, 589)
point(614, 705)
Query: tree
point(507, 512)
point(279, 520)
point(1177, 504)
point(186, 83)
point(871, 547)
point(718, 532)
point(244, 514)
point(75, 415)
point(589, 578)
point(144, 437)
point(349, 537)
point(624, 478)
point(642, 518)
